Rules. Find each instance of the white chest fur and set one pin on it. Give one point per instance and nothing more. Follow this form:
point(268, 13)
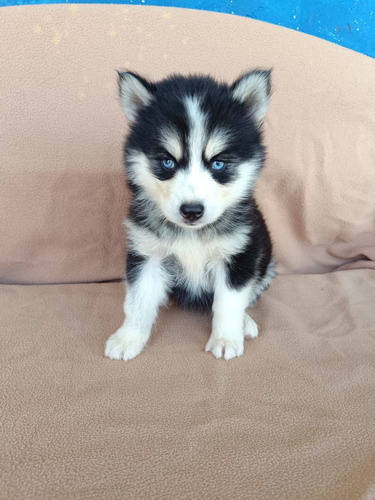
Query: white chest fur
point(197, 256)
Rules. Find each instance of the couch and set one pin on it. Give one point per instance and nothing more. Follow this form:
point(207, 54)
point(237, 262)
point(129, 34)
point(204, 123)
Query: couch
point(294, 417)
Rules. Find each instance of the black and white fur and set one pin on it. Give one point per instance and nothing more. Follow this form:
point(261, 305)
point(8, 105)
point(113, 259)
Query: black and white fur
point(193, 155)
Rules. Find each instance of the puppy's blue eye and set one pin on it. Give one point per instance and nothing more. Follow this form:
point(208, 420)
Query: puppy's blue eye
point(217, 165)
point(168, 163)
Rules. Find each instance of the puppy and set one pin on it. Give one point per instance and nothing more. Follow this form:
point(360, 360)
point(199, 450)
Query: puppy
point(192, 157)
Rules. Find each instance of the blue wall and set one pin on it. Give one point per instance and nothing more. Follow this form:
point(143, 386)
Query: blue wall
point(350, 23)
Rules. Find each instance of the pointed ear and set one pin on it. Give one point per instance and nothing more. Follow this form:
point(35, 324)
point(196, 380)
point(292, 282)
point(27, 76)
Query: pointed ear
point(253, 89)
point(135, 92)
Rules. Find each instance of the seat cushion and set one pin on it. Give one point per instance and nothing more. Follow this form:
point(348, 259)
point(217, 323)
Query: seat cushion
point(62, 196)
point(292, 418)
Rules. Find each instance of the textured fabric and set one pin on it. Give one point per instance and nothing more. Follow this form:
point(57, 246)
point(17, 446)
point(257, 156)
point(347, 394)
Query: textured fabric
point(292, 418)
point(61, 195)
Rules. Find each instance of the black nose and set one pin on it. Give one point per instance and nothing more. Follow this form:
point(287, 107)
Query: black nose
point(191, 211)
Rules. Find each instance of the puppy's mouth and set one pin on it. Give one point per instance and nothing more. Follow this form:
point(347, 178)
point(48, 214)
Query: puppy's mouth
point(191, 222)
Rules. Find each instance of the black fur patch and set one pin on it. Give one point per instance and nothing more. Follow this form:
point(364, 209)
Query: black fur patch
point(253, 262)
point(185, 299)
point(134, 264)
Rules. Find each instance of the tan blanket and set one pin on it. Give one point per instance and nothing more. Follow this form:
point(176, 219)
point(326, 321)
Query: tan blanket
point(61, 195)
point(292, 418)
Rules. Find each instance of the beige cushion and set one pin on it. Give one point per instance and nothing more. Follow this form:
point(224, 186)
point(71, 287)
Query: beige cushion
point(61, 194)
point(292, 419)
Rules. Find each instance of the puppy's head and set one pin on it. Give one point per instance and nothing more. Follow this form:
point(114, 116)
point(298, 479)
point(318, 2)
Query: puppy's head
point(194, 146)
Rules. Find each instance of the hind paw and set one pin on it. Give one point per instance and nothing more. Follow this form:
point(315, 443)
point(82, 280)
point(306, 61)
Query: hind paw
point(250, 329)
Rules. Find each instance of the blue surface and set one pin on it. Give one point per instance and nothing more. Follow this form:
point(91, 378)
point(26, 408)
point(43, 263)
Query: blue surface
point(350, 23)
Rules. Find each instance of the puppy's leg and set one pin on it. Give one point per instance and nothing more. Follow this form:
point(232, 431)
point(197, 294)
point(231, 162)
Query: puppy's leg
point(146, 291)
point(229, 320)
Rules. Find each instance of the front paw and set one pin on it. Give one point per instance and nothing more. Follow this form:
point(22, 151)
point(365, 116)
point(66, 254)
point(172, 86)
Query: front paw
point(227, 348)
point(124, 344)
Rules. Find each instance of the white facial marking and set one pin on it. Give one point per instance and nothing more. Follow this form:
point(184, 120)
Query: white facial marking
point(197, 132)
point(217, 142)
point(171, 140)
point(139, 173)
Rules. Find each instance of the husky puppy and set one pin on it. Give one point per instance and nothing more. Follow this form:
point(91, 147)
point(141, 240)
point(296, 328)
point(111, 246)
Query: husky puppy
point(192, 158)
